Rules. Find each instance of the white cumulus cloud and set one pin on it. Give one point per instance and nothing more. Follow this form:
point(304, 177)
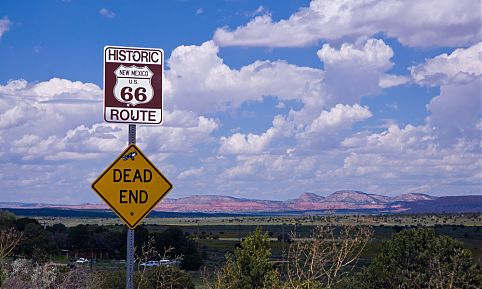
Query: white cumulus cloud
point(329, 126)
point(455, 113)
point(400, 158)
point(49, 107)
point(192, 172)
point(389, 80)
point(251, 143)
point(374, 53)
point(413, 23)
point(462, 65)
point(107, 13)
point(355, 70)
point(19, 114)
point(339, 117)
point(198, 80)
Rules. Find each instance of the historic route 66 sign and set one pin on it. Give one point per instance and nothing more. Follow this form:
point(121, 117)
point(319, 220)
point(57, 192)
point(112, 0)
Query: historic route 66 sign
point(133, 84)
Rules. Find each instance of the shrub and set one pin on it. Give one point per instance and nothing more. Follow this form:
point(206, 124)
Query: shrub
point(168, 277)
point(420, 259)
point(250, 267)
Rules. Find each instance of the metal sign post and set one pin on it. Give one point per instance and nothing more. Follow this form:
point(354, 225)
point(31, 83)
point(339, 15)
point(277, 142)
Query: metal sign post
point(130, 259)
point(130, 232)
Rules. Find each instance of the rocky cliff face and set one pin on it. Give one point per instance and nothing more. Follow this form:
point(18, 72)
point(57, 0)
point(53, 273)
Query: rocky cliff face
point(412, 198)
point(340, 200)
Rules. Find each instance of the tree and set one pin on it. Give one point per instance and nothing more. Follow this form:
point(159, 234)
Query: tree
point(7, 220)
point(192, 260)
point(171, 237)
point(9, 239)
point(322, 260)
point(59, 235)
point(418, 258)
point(182, 246)
point(35, 238)
point(79, 236)
point(21, 223)
point(250, 267)
point(141, 236)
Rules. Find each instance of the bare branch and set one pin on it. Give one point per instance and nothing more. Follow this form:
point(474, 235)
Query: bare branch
point(9, 239)
point(329, 254)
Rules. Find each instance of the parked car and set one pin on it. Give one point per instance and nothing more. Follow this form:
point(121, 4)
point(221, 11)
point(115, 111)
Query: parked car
point(150, 263)
point(82, 261)
point(166, 262)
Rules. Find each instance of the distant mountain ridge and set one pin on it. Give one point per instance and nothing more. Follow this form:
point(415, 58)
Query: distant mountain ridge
point(345, 200)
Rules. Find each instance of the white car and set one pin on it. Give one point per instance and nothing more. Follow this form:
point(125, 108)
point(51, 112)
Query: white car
point(149, 264)
point(82, 260)
point(165, 262)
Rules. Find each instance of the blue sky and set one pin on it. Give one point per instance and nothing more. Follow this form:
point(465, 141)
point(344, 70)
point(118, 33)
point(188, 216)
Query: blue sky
point(263, 99)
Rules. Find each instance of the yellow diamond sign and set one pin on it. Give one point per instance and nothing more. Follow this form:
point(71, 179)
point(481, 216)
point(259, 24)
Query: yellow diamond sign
point(132, 186)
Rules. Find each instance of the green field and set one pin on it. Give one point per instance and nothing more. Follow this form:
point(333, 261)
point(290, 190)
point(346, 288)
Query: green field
point(374, 220)
point(218, 235)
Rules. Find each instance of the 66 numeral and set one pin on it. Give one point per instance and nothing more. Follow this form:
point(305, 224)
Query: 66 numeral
point(139, 94)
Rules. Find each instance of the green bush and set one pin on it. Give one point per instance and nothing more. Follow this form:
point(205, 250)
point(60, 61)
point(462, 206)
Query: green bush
point(158, 278)
point(112, 279)
point(168, 277)
point(419, 259)
point(7, 220)
point(249, 268)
